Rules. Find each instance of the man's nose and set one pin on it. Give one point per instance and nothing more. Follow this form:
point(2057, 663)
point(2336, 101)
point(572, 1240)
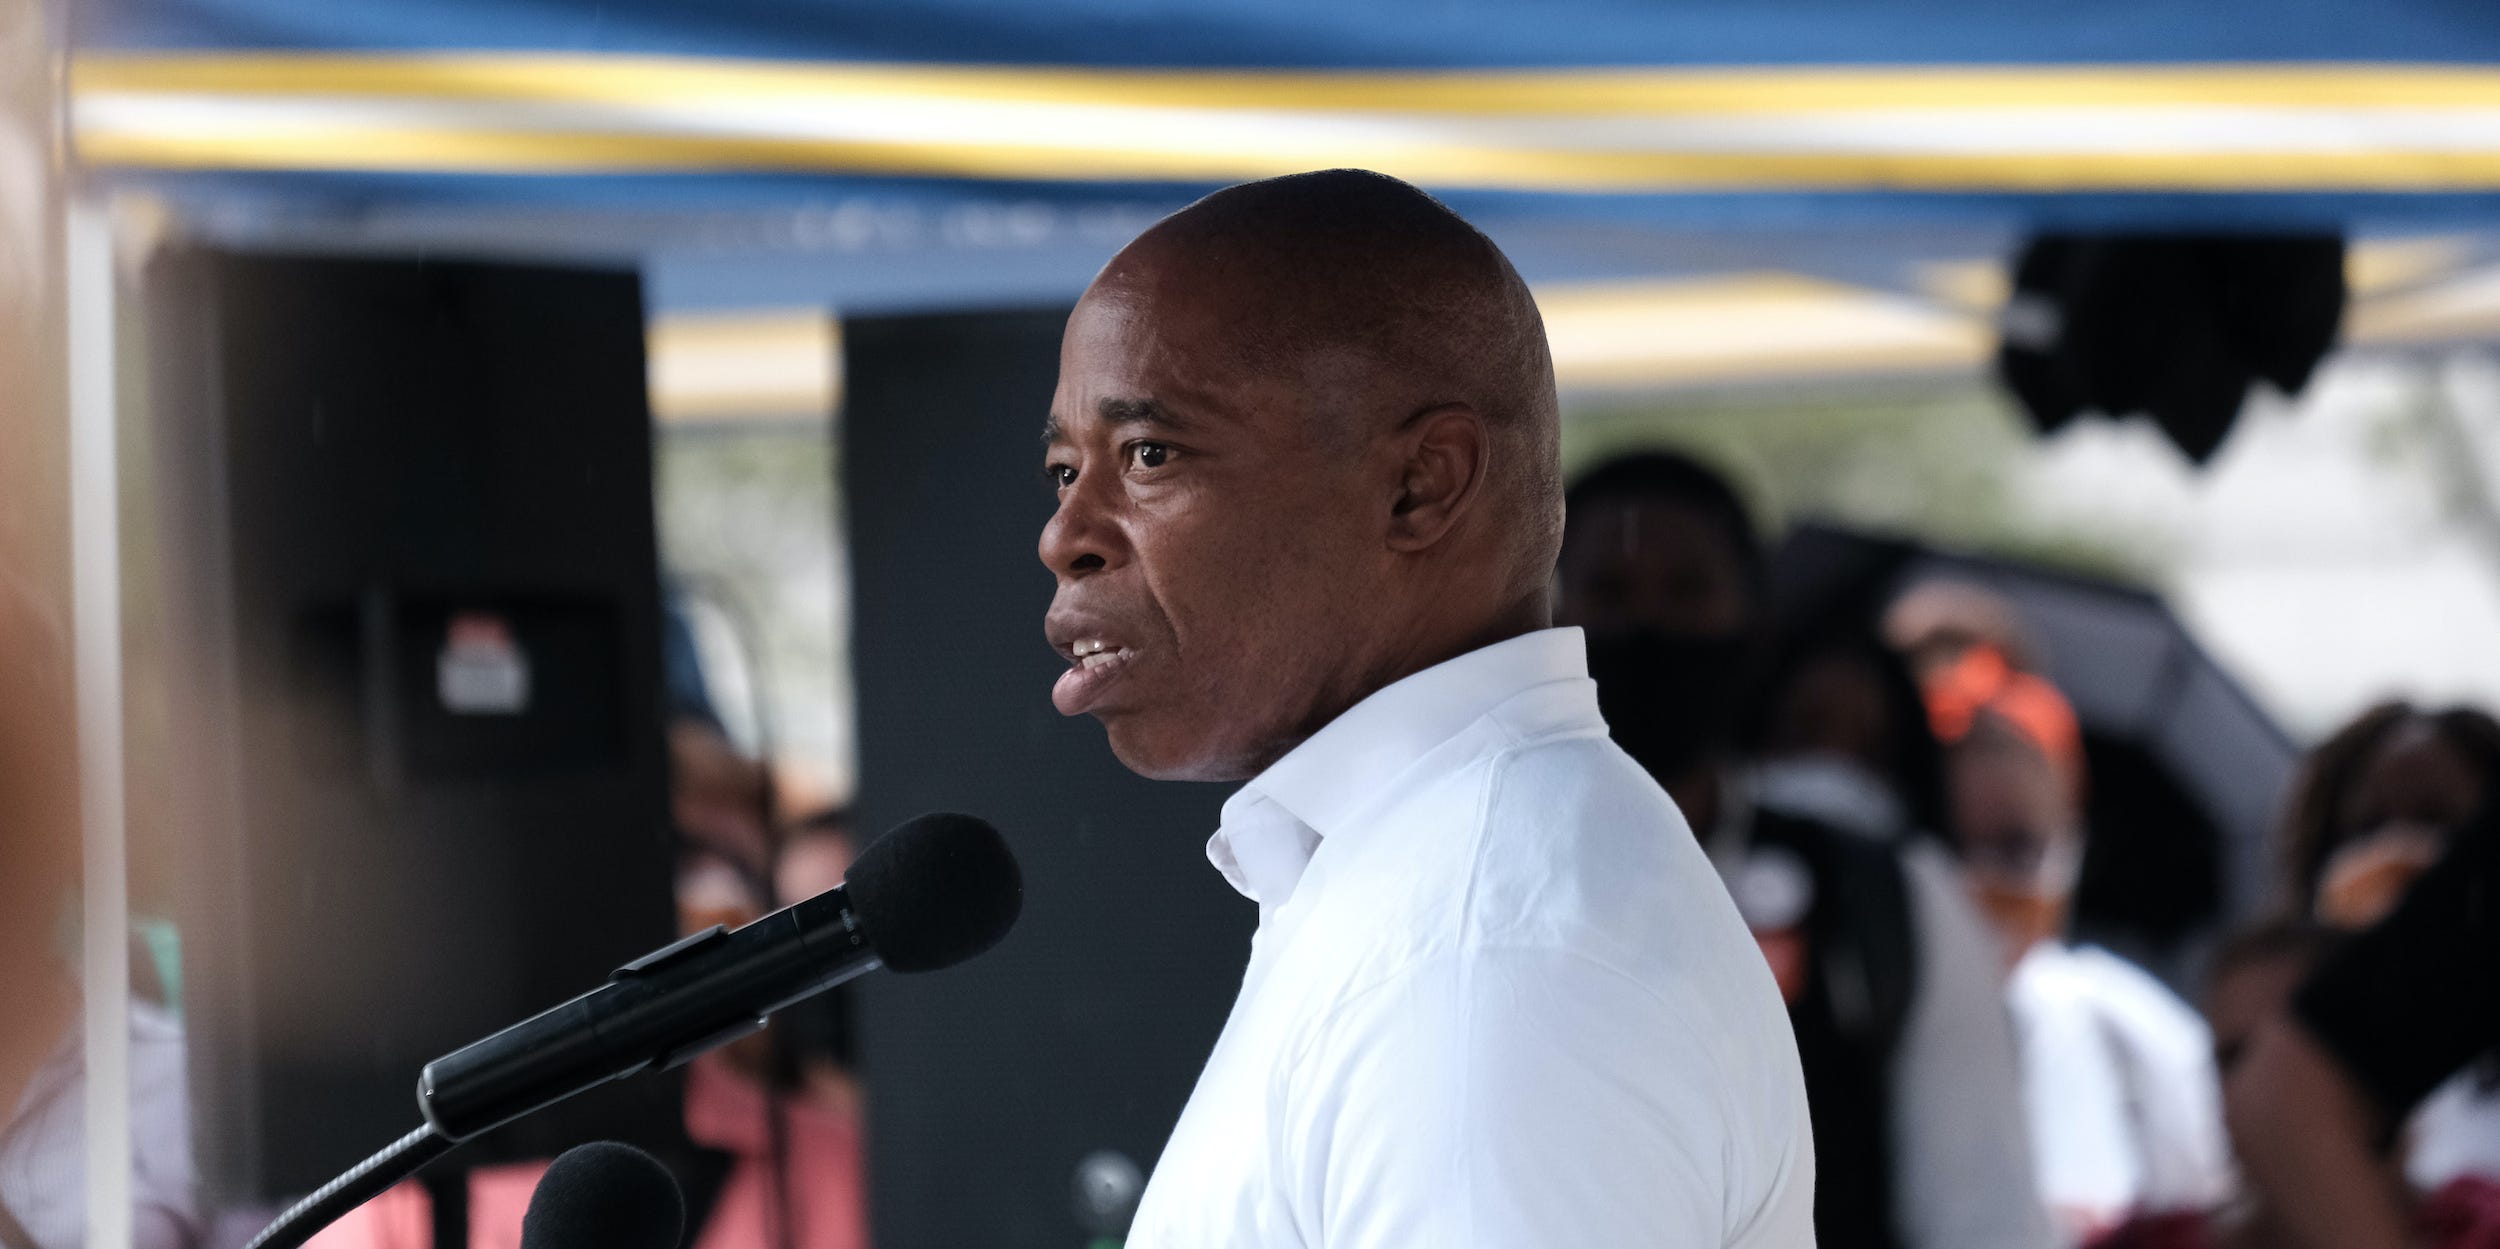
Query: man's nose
point(1080, 538)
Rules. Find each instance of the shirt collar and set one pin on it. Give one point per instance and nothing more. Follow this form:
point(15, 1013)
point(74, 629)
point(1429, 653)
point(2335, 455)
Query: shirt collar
point(1274, 824)
point(1261, 849)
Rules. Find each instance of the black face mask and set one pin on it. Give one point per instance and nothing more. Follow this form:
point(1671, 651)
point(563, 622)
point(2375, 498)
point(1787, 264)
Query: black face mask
point(1668, 699)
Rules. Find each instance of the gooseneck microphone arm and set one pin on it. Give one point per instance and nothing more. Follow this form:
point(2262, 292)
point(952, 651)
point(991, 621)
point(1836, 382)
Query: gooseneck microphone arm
point(358, 1185)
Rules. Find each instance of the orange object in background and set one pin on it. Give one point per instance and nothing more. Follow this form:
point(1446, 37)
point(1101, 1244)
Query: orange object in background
point(1984, 680)
point(2363, 881)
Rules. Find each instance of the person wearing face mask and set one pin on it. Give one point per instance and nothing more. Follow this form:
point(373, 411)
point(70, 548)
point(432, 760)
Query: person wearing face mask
point(2118, 1072)
point(1890, 985)
point(2373, 808)
point(1840, 731)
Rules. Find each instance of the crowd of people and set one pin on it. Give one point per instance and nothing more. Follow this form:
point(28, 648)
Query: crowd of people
point(1897, 806)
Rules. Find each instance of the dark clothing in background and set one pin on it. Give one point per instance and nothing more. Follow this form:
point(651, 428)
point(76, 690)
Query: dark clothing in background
point(2408, 1003)
point(1849, 1020)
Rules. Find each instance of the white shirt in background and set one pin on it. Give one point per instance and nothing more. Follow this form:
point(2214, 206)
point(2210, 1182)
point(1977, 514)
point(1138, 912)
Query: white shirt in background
point(2455, 1133)
point(2126, 1111)
point(1497, 996)
point(1962, 1135)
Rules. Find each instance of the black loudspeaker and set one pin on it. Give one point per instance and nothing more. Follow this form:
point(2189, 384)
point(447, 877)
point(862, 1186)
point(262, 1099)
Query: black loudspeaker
point(412, 610)
point(2176, 327)
point(1017, 1097)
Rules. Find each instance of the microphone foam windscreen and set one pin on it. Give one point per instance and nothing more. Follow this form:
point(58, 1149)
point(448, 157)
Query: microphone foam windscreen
point(604, 1195)
point(935, 891)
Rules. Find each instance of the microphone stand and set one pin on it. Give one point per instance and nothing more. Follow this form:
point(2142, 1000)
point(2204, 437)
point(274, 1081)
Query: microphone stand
point(354, 1187)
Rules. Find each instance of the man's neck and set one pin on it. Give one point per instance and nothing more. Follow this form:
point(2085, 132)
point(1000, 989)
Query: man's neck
point(1441, 646)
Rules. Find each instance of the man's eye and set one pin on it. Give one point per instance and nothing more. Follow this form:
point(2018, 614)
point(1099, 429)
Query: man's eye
point(1149, 454)
point(1061, 476)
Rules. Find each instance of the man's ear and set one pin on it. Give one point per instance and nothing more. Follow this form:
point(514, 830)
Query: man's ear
point(1443, 453)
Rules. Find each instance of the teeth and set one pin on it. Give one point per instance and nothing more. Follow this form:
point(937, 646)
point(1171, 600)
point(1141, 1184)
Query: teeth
point(1097, 659)
point(1090, 646)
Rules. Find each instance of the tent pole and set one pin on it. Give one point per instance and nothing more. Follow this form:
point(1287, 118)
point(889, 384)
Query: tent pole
point(96, 606)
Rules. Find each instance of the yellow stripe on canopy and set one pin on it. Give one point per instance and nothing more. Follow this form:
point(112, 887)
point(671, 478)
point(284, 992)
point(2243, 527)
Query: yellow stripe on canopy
point(2184, 128)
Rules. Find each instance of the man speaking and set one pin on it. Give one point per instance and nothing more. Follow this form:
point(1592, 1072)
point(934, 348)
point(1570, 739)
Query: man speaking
point(1305, 449)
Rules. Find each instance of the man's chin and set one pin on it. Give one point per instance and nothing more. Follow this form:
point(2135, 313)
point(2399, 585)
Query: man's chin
point(1168, 757)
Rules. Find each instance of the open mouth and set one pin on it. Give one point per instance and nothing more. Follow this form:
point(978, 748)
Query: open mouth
point(1093, 653)
point(1093, 664)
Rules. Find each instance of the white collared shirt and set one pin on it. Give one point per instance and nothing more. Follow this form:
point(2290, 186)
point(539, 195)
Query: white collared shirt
point(1497, 997)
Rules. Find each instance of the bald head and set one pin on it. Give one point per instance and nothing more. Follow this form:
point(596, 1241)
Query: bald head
point(1363, 380)
point(1319, 267)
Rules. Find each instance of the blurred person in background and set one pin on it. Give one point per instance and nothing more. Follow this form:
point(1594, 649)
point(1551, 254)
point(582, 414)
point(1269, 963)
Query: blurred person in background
point(2374, 804)
point(2253, 976)
point(721, 801)
point(819, 1036)
point(2393, 1013)
point(1889, 976)
point(2373, 807)
point(1935, 623)
point(2118, 1072)
point(779, 1160)
point(785, 1116)
point(43, 1083)
point(816, 853)
point(43, 1078)
point(1840, 730)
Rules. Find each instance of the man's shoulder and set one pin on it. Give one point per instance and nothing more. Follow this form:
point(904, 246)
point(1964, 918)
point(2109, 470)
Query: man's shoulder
point(1495, 800)
point(1577, 781)
point(1582, 853)
point(1554, 843)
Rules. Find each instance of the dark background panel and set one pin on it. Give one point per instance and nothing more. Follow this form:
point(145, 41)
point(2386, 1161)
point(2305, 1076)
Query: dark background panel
point(354, 453)
point(1085, 1030)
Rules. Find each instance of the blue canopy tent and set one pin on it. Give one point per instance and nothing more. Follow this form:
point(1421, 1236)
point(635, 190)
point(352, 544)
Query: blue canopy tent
point(986, 148)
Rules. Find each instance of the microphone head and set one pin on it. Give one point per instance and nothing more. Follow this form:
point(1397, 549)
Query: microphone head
point(604, 1195)
point(935, 891)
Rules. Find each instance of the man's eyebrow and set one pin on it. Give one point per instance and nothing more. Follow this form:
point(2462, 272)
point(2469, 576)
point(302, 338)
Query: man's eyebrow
point(1125, 412)
point(1119, 413)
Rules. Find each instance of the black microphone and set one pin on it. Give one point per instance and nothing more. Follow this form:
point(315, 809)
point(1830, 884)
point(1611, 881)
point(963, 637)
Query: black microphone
point(930, 894)
point(604, 1195)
